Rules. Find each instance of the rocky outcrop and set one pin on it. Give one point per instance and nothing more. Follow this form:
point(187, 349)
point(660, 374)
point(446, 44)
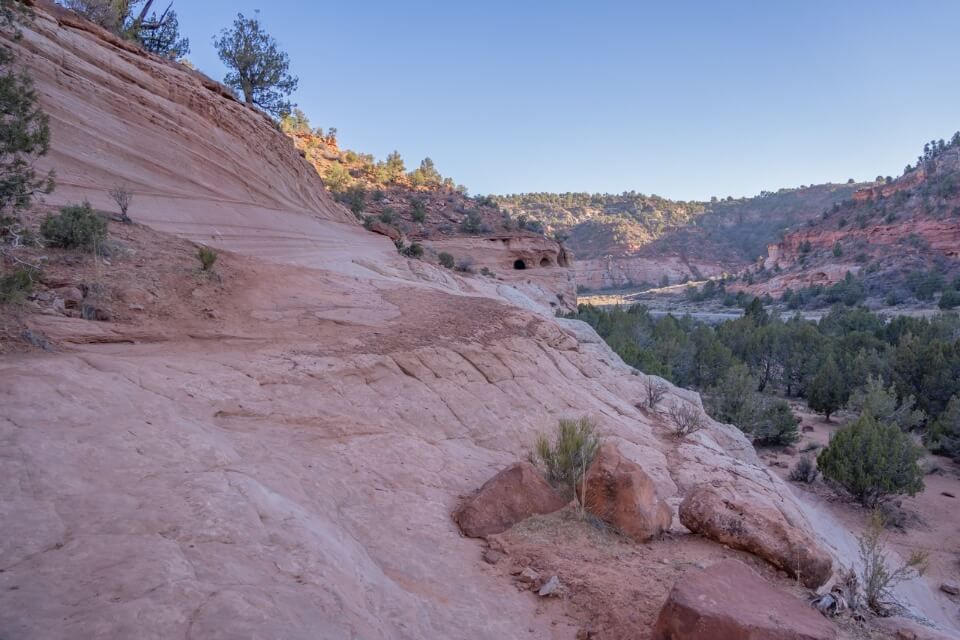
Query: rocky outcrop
point(620, 493)
point(729, 601)
point(719, 514)
point(614, 272)
point(538, 266)
point(514, 494)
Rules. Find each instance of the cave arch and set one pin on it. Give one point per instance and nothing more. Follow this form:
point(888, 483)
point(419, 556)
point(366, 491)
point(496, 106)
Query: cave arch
point(545, 262)
point(519, 264)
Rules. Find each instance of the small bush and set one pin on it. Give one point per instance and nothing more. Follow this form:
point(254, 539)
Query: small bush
point(419, 211)
point(949, 299)
point(15, 286)
point(472, 223)
point(207, 257)
point(446, 260)
point(944, 434)
point(655, 390)
point(355, 198)
point(776, 425)
point(568, 456)
point(415, 250)
point(465, 266)
point(879, 580)
point(387, 216)
point(872, 461)
point(804, 471)
point(75, 227)
point(686, 418)
point(123, 197)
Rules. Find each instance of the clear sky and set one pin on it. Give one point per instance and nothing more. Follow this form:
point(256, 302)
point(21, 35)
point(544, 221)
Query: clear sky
point(685, 99)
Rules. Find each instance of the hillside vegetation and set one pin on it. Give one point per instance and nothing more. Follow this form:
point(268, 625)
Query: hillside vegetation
point(419, 203)
point(894, 241)
point(731, 230)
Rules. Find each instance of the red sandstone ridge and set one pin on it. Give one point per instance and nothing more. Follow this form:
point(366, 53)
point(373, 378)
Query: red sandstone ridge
point(881, 235)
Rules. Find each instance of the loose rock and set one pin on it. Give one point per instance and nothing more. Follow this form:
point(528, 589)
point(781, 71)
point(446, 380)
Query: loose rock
point(721, 515)
point(514, 494)
point(619, 492)
point(729, 601)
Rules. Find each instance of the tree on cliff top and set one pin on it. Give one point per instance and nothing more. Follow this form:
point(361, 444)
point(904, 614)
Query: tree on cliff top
point(129, 19)
point(24, 127)
point(260, 70)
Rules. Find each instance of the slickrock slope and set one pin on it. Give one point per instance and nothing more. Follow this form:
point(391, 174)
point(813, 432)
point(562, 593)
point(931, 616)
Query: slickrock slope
point(200, 164)
point(280, 457)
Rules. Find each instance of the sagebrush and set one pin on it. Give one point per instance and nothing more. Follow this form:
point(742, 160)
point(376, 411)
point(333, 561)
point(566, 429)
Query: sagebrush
point(75, 227)
point(567, 455)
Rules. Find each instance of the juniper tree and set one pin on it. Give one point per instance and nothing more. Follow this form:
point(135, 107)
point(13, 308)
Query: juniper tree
point(24, 127)
point(260, 71)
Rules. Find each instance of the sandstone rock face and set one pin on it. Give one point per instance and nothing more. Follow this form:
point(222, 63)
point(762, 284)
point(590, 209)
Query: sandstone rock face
point(536, 265)
point(721, 515)
point(289, 469)
point(633, 270)
point(729, 601)
point(620, 493)
point(385, 230)
point(514, 494)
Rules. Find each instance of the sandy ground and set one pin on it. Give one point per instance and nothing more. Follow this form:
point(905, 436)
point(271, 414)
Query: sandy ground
point(926, 522)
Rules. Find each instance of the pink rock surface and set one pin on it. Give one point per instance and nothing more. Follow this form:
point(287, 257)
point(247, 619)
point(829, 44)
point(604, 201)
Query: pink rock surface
point(288, 472)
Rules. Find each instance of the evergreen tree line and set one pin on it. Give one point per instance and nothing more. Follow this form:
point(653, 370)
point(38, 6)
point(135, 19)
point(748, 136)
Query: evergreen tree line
point(903, 371)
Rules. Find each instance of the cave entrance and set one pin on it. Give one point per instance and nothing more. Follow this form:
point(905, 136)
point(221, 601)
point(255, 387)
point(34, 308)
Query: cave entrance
point(519, 264)
point(545, 262)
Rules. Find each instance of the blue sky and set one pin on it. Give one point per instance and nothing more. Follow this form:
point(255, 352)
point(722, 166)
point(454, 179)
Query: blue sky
point(683, 99)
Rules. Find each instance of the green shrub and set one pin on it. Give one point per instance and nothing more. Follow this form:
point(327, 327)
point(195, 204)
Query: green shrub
point(446, 260)
point(419, 211)
point(472, 223)
point(879, 579)
point(949, 299)
point(355, 197)
point(415, 250)
point(387, 216)
point(207, 257)
point(944, 434)
point(776, 425)
point(336, 177)
point(804, 471)
point(882, 404)
point(568, 456)
point(14, 286)
point(75, 227)
point(872, 461)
